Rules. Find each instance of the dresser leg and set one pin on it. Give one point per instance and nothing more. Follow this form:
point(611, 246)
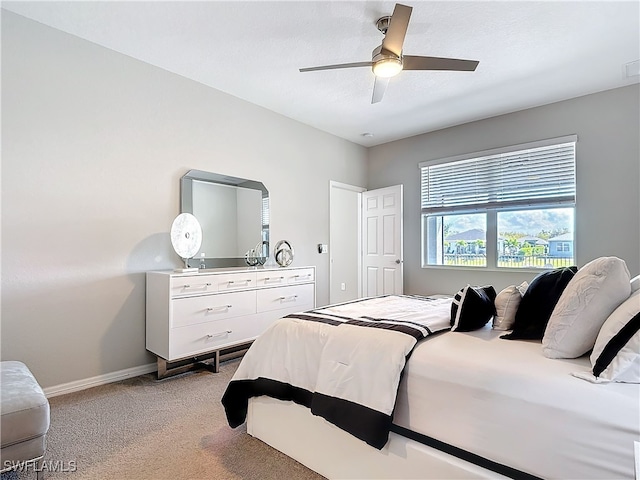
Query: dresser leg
point(162, 368)
point(165, 370)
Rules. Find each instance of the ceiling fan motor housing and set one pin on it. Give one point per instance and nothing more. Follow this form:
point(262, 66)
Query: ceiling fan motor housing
point(383, 24)
point(380, 53)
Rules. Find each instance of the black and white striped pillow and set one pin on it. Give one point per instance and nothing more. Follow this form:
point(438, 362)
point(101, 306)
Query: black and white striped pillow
point(616, 354)
point(472, 308)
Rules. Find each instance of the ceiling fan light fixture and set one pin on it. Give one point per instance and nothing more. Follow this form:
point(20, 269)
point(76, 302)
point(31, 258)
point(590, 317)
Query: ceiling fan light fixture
point(388, 59)
point(387, 67)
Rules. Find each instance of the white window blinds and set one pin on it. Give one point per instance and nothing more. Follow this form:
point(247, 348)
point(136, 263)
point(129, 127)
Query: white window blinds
point(541, 175)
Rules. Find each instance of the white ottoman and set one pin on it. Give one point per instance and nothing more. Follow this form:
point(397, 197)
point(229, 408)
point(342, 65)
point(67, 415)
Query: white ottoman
point(24, 419)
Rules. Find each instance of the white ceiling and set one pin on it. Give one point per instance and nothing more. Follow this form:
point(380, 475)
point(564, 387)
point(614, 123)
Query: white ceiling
point(530, 53)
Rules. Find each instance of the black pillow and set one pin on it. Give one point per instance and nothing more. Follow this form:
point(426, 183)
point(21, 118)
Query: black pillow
point(472, 308)
point(538, 302)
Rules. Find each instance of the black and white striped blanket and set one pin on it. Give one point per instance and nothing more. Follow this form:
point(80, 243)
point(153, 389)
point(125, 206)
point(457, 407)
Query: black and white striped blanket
point(344, 361)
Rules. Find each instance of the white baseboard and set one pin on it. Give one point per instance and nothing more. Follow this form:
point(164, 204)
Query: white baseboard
point(99, 380)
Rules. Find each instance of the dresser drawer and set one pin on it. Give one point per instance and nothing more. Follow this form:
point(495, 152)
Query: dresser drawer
point(273, 278)
point(270, 278)
point(194, 339)
point(191, 285)
point(234, 281)
point(286, 298)
point(300, 275)
point(207, 308)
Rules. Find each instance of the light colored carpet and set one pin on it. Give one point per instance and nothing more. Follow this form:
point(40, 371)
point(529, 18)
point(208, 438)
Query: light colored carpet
point(144, 428)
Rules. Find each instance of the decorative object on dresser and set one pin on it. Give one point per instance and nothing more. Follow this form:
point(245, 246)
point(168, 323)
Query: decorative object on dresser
point(255, 256)
point(186, 238)
point(193, 317)
point(283, 252)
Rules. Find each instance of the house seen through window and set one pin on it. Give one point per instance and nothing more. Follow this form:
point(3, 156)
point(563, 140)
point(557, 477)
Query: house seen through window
point(507, 208)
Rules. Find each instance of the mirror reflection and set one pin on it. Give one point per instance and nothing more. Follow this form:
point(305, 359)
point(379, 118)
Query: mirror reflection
point(234, 216)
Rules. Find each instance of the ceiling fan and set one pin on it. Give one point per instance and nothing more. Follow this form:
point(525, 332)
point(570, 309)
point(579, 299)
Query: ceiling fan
point(387, 60)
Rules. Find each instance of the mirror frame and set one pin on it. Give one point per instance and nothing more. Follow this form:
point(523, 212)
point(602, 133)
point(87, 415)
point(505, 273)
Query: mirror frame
point(186, 206)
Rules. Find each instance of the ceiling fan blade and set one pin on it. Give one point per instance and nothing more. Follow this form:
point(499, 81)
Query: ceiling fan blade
point(379, 87)
point(410, 62)
point(397, 30)
point(341, 65)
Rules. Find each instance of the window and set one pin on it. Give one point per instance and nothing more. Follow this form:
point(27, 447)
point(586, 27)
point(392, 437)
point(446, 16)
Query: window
point(525, 237)
point(457, 239)
point(511, 207)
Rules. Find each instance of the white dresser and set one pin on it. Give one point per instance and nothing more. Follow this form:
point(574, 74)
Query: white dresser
point(192, 314)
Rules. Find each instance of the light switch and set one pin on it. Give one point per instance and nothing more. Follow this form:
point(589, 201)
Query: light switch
point(323, 248)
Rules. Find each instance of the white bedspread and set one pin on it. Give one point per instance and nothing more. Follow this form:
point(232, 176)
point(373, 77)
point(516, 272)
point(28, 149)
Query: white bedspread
point(505, 401)
point(331, 361)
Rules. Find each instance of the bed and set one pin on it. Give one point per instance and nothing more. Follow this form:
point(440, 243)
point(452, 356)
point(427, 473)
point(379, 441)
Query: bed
point(468, 405)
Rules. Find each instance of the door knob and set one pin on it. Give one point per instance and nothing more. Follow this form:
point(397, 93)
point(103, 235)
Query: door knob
point(398, 261)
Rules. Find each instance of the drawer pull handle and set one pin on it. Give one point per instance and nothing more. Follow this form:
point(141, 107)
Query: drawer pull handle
point(207, 284)
point(266, 279)
point(220, 334)
point(293, 297)
point(189, 286)
point(302, 276)
point(210, 309)
point(239, 281)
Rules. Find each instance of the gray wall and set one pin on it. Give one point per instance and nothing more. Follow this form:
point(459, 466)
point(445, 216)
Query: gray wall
point(93, 146)
point(608, 179)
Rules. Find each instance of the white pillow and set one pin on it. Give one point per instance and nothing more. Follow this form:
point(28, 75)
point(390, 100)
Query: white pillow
point(616, 354)
point(507, 302)
point(594, 292)
point(635, 284)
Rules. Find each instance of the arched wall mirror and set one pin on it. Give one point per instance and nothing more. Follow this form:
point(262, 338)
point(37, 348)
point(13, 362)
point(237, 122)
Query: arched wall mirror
point(233, 213)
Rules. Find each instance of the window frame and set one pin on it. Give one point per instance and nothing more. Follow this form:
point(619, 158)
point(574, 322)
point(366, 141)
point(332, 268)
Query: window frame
point(491, 209)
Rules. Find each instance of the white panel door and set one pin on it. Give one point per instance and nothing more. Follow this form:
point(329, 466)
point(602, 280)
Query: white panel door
point(382, 241)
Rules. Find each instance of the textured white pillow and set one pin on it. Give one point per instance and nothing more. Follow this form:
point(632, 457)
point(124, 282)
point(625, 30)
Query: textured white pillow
point(594, 292)
point(635, 284)
point(507, 302)
point(616, 354)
